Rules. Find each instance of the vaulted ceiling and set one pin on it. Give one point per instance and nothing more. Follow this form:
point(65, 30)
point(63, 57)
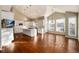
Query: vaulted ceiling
point(36, 11)
point(31, 11)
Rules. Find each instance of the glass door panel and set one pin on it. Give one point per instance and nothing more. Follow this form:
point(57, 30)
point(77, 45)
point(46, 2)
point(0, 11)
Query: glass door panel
point(60, 24)
point(51, 25)
point(72, 26)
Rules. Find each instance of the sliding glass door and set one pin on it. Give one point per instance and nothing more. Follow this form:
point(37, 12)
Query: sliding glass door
point(72, 26)
point(56, 22)
point(64, 24)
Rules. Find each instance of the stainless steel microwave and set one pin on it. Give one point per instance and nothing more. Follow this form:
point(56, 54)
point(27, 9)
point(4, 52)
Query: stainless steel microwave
point(7, 23)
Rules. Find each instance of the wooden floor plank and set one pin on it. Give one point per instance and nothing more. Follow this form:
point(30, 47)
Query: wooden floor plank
point(49, 43)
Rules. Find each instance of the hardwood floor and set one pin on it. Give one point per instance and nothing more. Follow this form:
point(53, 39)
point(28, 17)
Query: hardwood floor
point(46, 43)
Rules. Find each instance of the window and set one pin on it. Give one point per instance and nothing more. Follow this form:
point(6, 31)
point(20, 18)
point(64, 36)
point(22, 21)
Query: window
point(60, 25)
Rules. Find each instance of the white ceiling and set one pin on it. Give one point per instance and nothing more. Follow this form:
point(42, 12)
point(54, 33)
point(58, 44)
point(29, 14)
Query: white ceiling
point(32, 11)
point(35, 11)
point(5, 7)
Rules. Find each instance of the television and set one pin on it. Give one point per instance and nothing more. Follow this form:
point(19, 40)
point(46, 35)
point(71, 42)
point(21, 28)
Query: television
point(7, 23)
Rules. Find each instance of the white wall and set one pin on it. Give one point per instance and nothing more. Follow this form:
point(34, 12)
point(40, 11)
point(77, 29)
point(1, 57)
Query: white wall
point(72, 8)
point(45, 23)
point(78, 26)
point(61, 8)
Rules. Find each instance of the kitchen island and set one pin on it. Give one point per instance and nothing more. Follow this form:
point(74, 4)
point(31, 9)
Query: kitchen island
point(30, 32)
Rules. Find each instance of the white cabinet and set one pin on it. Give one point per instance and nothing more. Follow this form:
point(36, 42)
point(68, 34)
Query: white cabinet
point(6, 36)
point(30, 32)
point(17, 27)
